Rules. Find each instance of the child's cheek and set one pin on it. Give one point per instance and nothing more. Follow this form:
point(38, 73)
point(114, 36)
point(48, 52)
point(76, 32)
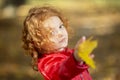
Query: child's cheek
point(53, 40)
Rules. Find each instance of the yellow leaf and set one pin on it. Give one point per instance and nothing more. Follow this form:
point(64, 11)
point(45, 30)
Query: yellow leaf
point(85, 50)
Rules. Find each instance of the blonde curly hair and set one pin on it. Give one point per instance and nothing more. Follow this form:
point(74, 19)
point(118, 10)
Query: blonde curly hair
point(33, 32)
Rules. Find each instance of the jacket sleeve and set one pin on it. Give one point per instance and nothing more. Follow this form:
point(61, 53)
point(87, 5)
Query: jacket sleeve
point(70, 68)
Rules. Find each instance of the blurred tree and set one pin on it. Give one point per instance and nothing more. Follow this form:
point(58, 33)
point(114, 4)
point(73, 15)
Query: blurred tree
point(9, 7)
point(15, 3)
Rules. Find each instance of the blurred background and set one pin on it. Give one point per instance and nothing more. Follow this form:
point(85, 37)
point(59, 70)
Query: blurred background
point(98, 18)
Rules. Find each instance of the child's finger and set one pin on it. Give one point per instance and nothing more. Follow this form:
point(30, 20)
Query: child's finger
point(92, 56)
point(80, 41)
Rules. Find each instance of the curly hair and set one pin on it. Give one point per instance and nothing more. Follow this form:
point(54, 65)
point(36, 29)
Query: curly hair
point(33, 32)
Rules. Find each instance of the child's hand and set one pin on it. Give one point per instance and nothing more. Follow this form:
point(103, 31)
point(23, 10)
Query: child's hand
point(83, 51)
point(76, 49)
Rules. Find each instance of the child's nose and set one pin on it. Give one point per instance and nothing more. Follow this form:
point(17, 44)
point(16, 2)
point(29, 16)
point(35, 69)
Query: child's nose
point(60, 35)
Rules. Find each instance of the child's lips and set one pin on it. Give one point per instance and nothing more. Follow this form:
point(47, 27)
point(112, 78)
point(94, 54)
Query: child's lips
point(62, 40)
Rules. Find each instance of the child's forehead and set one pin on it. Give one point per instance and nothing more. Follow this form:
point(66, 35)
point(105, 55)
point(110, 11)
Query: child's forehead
point(52, 21)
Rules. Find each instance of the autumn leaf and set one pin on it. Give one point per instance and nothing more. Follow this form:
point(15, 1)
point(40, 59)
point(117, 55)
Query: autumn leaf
point(85, 49)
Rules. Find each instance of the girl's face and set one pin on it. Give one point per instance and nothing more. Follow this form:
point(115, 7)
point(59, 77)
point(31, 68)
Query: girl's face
point(58, 34)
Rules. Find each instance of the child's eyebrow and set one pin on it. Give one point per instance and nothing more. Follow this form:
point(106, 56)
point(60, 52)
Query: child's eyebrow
point(61, 23)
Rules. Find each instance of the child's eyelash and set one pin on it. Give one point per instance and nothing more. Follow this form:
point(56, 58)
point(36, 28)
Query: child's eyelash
point(61, 26)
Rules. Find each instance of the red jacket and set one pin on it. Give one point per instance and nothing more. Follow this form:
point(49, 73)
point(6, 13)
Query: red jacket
point(62, 66)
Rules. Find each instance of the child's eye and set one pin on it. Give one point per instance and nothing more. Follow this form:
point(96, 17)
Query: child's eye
point(61, 26)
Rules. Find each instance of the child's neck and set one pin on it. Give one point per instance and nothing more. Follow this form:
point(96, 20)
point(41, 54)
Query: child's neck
point(61, 49)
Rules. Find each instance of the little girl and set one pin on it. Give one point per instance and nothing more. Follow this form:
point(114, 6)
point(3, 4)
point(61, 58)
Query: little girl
point(45, 37)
